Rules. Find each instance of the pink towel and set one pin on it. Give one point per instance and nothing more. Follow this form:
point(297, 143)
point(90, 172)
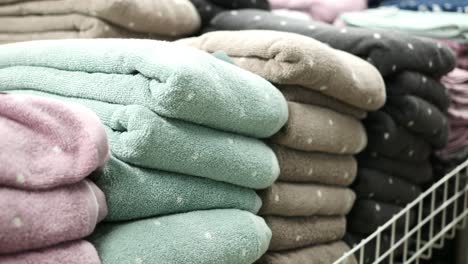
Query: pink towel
point(36, 219)
point(46, 143)
point(322, 10)
point(76, 252)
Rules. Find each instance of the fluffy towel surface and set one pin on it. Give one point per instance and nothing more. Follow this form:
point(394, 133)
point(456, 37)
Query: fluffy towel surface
point(76, 252)
point(298, 232)
point(166, 18)
point(314, 128)
point(140, 137)
point(202, 237)
point(302, 166)
point(155, 74)
point(36, 219)
point(429, 5)
point(390, 52)
point(49, 143)
point(156, 192)
point(382, 187)
point(303, 95)
point(291, 199)
point(286, 58)
point(321, 254)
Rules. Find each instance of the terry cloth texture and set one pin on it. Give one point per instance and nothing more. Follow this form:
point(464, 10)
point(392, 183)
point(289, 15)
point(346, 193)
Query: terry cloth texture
point(291, 199)
point(301, 166)
point(412, 83)
point(303, 95)
point(314, 128)
point(298, 232)
point(214, 236)
point(158, 75)
point(286, 58)
point(36, 219)
point(46, 143)
point(414, 172)
point(382, 187)
point(390, 52)
point(428, 24)
point(29, 20)
point(156, 192)
point(321, 10)
point(320, 254)
point(392, 140)
point(419, 117)
point(142, 138)
point(459, 6)
point(76, 252)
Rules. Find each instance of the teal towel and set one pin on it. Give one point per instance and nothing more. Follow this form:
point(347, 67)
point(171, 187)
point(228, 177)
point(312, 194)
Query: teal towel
point(227, 236)
point(133, 193)
point(170, 79)
point(140, 137)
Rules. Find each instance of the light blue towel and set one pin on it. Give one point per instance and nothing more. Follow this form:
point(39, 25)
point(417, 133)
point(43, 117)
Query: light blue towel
point(170, 79)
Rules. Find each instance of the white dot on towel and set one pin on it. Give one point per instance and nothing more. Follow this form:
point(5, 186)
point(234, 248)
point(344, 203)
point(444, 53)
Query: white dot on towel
point(386, 135)
point(138, 260)
point(131, 24)
point(283, 23)
point(195, 156)
point(424, 79)
point(309, 140)
point(394, 67)
point(159, 13)
point(413, 188)
point(429, 111)
point(371, 195)
point(330, 122)
point(377, 207)
point(343, 30)
point(411, 123)
point(174, 33)
point(410, 46)
point(346, 175)
point(208, 235)
point(242, 59)
point(369, 101)
point(230, 141)
point(298, 238)
point(208, 8)
point(377, 36)
point(190, 96)
point(257, 17)
point(234, 13)
point(430, 64)
point(374, 154)
point(179, 200)
point(106, 28)
point(344, 149)
point(253, 1)
point(369, 59)
point(17, 222)
point(434, 131)
point(319, 193)
point(244, 252)
point(20, 178)
point(311, 27)
point(57, 149)
point(323, 88)
point(156, 223)
point(390, 180)
point(311, 171)
point(448, 5)
point(439, 45)
point(277, 198)
point(410, 152)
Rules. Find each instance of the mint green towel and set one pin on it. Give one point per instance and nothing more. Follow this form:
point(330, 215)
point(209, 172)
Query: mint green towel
point(140, 137)
point(227, 236)
point(170, 79)
point(133, 193)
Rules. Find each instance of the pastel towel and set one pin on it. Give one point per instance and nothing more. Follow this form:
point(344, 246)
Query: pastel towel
point(320, 254)
point(166, 18)
point(142, 138)
point(321, 10)
point(156, 192)
point(292, 199)
point(37, 219)
point(298, 232)
point(314, 128)
point(202, 237)
point(172, 80)
point(429, 5)
point(390, 52)
point(75, 252)
point(46, 143)
point(286, 58)
point(302, 166)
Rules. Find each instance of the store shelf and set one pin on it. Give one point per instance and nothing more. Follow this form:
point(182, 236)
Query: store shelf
point(428, 221)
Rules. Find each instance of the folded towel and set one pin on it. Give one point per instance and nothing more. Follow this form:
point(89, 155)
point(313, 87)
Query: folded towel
point(216, 236)
point(314, 128)
point(286, 58)
point(76, 252)
point(321, 254)
point(420, 117)
point(140, 137)
point(302, 95)
point(390, 52)
point(170, 79)
point(165, 18)
point(290, 199)
point(49, 143)
point(382, 187)
point(36, 219)
point(301, 166)
point(394, 141)
point(298, 232)
point(156, 193)
point(429, 5)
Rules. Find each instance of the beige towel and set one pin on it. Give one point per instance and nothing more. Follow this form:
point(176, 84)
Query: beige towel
point(297, 232)
point(321, 254)
point(301, 166)
point(314, 128)
point(288, 58)
point(291, 199)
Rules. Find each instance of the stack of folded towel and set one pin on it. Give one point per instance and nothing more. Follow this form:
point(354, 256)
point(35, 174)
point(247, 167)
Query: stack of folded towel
point(22, 20)
point(47, 205)
point(183, 128)
point(460, 6)
point(329, 91)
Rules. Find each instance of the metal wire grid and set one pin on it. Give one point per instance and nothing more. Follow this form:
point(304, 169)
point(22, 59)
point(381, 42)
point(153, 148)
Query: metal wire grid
point(430, 219)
